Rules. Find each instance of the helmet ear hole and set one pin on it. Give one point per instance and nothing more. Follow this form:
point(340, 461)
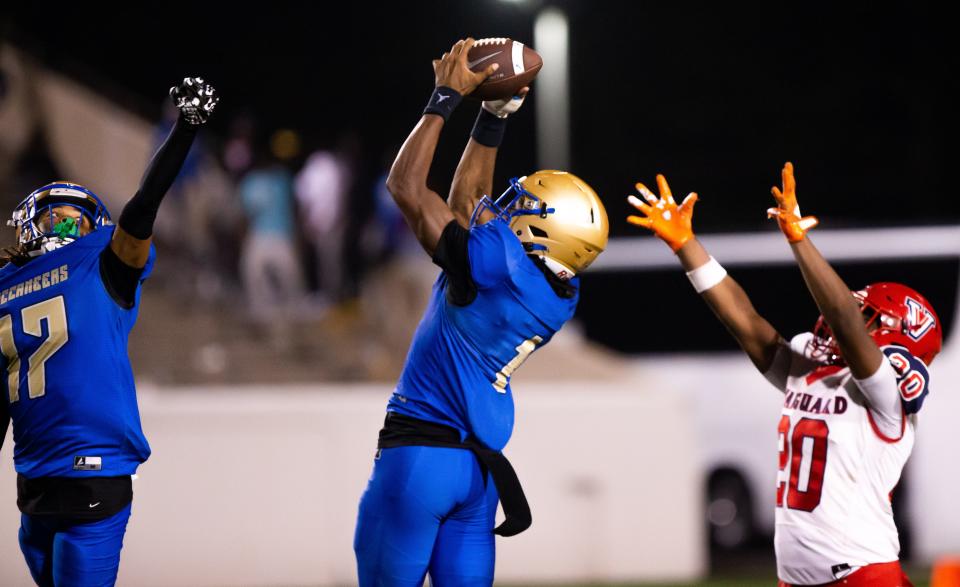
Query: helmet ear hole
point(538, 232)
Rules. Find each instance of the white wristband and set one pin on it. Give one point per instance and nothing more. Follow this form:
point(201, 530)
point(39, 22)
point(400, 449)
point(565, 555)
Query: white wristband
point(707, 275)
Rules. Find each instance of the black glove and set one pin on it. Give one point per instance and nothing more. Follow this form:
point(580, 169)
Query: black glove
point(195, 99)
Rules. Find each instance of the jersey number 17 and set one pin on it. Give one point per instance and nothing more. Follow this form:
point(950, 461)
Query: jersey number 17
point(54, 313)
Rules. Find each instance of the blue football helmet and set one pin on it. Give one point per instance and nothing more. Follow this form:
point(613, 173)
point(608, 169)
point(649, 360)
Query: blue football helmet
point(41, 202)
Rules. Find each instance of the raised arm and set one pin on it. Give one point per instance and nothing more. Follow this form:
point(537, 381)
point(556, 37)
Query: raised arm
point(425, 212)
point(474, 176)
point(837, 305)
point(674, 225)
point(131, 239)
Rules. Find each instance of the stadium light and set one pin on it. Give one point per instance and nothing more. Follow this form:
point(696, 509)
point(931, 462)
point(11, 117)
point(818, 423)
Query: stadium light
point(551, 40)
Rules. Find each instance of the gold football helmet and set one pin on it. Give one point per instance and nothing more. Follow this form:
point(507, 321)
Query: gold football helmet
point(557, 216)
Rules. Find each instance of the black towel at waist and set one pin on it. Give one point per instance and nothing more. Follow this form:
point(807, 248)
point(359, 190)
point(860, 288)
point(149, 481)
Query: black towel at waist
point(399, 430)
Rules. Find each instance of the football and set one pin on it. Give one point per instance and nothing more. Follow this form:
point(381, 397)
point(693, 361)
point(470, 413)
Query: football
point(519, 64)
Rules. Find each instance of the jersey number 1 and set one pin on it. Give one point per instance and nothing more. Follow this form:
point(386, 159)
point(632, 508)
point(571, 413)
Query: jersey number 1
point(523, 351)
point(55, 313)
point(807, 447)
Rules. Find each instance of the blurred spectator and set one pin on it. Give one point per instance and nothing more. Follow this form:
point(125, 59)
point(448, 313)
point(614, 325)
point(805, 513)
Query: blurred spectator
point(268, 264)
point(386, 235)
point(196, 206)
point(322, 189)
point(238, 149)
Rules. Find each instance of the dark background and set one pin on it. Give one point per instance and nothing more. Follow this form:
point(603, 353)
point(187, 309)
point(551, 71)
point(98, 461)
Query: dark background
point(861, 97)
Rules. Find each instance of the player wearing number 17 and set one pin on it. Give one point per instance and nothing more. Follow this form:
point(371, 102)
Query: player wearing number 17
point(69, 296)
point(852, 390)
point(507, 285)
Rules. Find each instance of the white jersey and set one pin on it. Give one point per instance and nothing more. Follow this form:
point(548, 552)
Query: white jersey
point(840, 460)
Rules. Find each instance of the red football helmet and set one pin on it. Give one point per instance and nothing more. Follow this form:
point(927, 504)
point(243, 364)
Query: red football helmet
point(903, 317)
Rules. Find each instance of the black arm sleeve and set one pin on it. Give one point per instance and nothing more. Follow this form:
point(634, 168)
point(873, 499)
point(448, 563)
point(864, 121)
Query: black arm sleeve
point(120, 279)
point(140, 212)
point(452, 256)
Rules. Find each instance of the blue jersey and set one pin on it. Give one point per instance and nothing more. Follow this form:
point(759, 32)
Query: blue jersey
point(65, 368)
point(458, 369)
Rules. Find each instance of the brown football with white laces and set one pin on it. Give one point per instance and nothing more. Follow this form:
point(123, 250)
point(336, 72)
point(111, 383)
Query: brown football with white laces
point(519, 64)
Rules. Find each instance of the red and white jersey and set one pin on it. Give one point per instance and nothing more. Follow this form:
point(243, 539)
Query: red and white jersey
point(843, 444)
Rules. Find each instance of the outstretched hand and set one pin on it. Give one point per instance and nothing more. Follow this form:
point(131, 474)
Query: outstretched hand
point(672, 223)
point(507, 106)
point(451, 69)
point(787, 212)
point(195, 99)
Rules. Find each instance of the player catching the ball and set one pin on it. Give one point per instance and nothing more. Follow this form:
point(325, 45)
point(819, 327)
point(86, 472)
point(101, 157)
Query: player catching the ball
point(508, 284)
point(69, 296)
point(852, 389)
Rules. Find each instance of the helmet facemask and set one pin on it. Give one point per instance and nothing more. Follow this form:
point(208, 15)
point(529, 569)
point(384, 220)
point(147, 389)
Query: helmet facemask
point(514, 201)
point(823, 348)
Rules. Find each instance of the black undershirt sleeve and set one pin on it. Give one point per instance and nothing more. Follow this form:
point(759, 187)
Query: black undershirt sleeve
point(120, 279)
point(140, 212)
point(452, 256)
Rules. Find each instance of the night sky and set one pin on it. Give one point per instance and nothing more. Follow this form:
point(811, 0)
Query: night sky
point(862, 98)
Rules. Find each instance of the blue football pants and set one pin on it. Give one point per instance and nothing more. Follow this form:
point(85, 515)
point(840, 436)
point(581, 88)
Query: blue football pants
point(426, 509)
point(67, 553)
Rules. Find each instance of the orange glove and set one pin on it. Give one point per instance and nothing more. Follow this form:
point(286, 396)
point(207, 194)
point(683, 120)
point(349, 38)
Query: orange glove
point(787, 212)
point(670, 222)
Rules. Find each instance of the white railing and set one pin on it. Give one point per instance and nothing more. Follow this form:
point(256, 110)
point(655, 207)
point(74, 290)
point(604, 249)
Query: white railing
point(760, 248)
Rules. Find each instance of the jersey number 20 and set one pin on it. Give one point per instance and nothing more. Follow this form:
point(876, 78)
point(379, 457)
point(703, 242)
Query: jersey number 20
point(807, 450)
point(55, 314)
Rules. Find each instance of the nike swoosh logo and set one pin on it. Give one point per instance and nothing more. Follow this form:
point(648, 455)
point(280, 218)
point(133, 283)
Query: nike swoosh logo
point(93, 505)
point(441, 97)
point(472, 64)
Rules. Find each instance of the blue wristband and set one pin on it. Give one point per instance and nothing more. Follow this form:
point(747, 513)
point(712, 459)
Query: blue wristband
point(443, 102)
point(489, 128)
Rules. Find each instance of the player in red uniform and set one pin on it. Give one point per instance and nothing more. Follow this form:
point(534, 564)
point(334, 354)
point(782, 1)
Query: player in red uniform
point(852, 388)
